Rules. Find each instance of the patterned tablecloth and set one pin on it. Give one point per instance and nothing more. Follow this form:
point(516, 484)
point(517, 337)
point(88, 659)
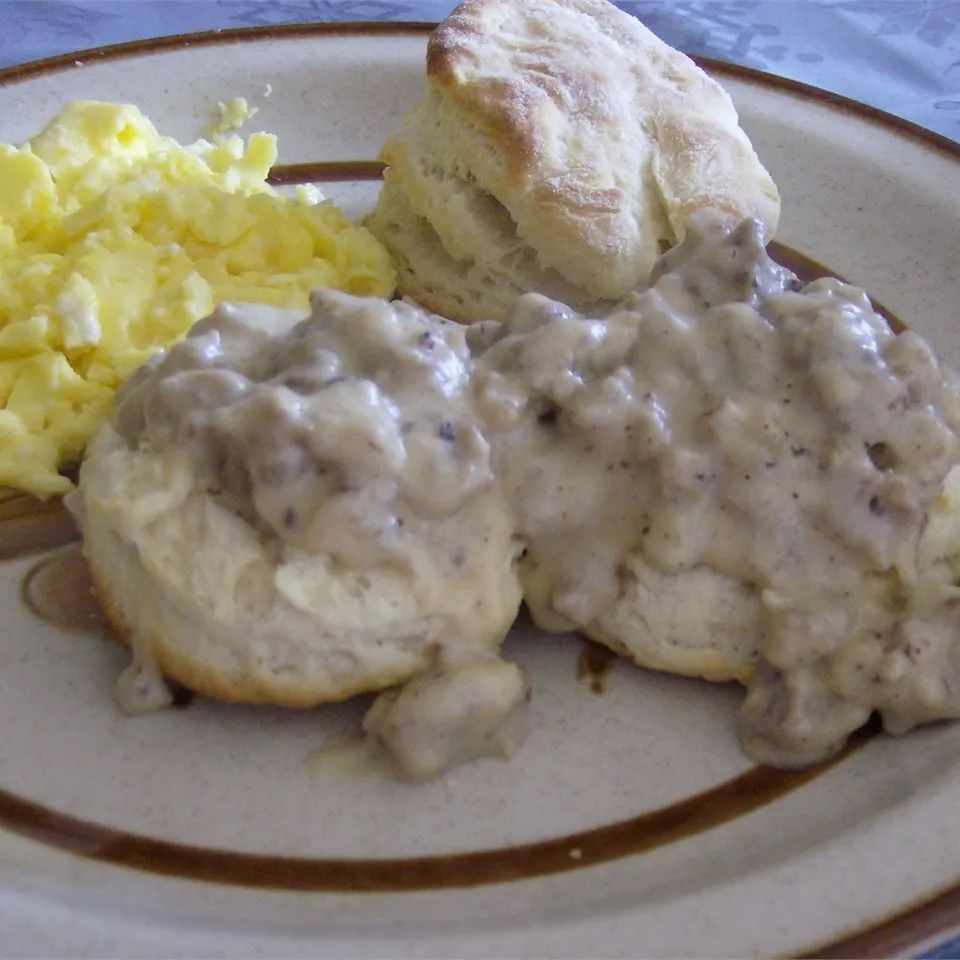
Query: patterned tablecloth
point(900, 55)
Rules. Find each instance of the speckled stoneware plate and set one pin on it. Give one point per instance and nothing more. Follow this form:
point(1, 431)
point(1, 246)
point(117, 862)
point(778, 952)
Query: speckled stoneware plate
point(630, 824)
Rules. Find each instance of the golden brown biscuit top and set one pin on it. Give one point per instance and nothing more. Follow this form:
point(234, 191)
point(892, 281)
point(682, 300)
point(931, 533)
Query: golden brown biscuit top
point(597, 136)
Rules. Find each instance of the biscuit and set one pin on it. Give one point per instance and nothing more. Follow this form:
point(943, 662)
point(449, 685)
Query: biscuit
point(214, 567)
point(457, 284)
point(562, 135)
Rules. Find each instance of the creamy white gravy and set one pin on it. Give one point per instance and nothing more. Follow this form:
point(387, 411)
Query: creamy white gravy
point(353, 436)
point(731, 418)
point(451, 713)
point(727, 418)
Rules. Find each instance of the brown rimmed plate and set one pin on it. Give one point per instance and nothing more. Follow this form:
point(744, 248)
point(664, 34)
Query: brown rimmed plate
point(630, 824)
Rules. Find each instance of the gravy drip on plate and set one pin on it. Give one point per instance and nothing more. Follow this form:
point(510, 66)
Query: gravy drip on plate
point(780, 434)
point(58, 589)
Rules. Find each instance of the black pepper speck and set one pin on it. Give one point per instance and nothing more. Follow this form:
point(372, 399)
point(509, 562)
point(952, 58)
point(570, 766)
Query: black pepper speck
point(548, 417)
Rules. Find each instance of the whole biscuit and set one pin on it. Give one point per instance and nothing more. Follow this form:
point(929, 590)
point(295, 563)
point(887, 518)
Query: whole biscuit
point(596, 136)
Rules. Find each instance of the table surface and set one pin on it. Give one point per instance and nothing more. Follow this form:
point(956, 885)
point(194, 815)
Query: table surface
point(902, 56)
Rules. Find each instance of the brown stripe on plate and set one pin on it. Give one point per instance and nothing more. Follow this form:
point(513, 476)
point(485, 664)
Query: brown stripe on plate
point(204, 38)
point(807, 269)
point(17, 73)
point(933, 915)
point(28, 525)
point(58, 589)
point(329, 171)
point(704, 811)
point(325, 171)
point(900, 932)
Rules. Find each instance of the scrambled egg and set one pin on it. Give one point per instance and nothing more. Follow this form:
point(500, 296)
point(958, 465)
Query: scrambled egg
point(231, 115)
point(114, 240)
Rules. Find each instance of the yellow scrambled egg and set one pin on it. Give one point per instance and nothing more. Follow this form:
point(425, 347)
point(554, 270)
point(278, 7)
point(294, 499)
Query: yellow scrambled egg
point(114, 240)
point(231, 115)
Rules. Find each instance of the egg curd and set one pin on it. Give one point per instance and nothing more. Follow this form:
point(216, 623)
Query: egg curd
point(114, 240)
point(232, 114)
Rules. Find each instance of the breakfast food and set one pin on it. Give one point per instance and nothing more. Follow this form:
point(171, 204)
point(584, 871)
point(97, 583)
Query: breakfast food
point(446, 276)
point(453, 712)
point(114, 240)
point(733, 475)
point(292, 511)
point(232, 114)
point(701, 462)
point(737, 476)
point(559, 145)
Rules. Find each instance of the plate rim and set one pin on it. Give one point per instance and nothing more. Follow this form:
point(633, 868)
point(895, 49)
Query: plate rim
point(924, 918)
point(29, 69)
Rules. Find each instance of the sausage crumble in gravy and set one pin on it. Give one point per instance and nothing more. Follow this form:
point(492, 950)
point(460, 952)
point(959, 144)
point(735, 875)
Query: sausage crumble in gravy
point(769, 449)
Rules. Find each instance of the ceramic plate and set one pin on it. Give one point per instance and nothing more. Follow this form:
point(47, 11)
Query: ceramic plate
point(631, 823)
